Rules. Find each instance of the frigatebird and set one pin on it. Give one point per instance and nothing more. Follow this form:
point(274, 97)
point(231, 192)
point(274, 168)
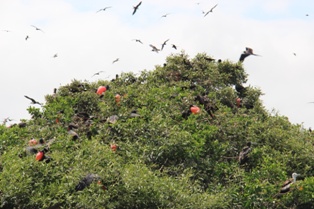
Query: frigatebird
point(164, 44)
point(97, 73)
point(211, 10)
point(104, 9)
point(87, 181)
point(27, 37)
point(135, 8)
point(154, 48)
point(248, 51)
point(138, 40)
point(37, 28)
point(285, 187)
point(165, 15)
point(55, 55)
point(243, 156)
point(116, 60)
point(33, 100)
point(174, 46)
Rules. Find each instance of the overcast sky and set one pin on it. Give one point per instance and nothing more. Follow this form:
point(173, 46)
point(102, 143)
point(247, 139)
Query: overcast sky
point(87, 41)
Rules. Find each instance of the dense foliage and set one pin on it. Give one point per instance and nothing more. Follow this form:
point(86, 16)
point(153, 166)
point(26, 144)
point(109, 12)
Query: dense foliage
point(164, 159)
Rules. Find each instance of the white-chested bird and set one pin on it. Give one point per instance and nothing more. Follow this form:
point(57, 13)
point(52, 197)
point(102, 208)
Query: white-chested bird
point(154, 48)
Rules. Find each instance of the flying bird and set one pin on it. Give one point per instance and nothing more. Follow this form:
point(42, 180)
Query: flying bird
point(138, 40)
point(135, 8)
point(6, 31)
point(33, 100)
point(248, 51)
point(164, 44)
point(174, 46)
point(116, 60)
point(154, 48)
point(104, 9)
point(165, 15)
point(27, 37)
point(211, 10)
point(55, 55)
point(97, 73)
point(294, 54)
point(37, 28)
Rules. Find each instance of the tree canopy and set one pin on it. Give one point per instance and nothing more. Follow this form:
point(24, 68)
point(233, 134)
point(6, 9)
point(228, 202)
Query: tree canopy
point(151, 150)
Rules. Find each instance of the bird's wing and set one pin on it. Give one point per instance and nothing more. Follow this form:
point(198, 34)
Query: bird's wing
point(243, 56)
point(33, 100)
point(138, 4)
point(213, 7)
point(206, 13)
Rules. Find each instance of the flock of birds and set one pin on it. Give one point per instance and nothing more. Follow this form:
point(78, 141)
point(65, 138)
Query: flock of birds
point(88, 179)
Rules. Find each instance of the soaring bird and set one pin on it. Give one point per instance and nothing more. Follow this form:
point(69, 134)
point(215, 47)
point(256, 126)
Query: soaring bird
point(135, 8)
point(154, 48)
point(138, 40)
point(37, 28)
point(27, 37)
point(104, 9)
point(6, 31)
point(165, 15)
point(285, 187)
point(97, 73)
point(33, 100)
point(248, 51)
point(116, 60)
point(211, 10)
point(243, 156)
point(55, 55)
point(87, 181)
point(164, 44)
point(174, 46)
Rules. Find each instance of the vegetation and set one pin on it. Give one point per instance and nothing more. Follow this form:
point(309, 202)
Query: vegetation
point(163, 160)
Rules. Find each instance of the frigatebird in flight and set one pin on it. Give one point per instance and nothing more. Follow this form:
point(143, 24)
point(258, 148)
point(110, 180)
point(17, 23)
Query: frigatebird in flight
point(138, 40)
point(211, 10)
point(163, 44)
point(37, 28)
point(135, 8)
point(248, 51)
point(104, 9)
point(33, 100)
point(154, 48)
point(116, 60)
point(98, 73)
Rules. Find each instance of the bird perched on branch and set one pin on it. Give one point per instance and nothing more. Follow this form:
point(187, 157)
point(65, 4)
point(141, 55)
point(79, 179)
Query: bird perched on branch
point(135, 8)
point(243, 156)
point(248, 51)
point(285, 187)
point(88, 180)
point(33, 100)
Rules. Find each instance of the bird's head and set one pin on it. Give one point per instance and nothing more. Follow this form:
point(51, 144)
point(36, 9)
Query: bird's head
point(295, 175)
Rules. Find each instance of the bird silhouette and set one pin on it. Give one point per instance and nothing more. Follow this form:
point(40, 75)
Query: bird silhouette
point(138, 40)
point(164, 44)
point(116, 60)
point(33, 100)
point(174, 46)
point(6, 31)
point(211, 10)
point(55, 55)
point(37, 28)
point(154, 48)
point(104, 9)
point(248, 51)
point(97, 73)
point(135, 8)
point(27, 37)
point(165, 15)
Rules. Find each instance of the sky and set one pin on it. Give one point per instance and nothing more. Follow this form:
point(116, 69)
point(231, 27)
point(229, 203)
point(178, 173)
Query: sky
point(87, 41)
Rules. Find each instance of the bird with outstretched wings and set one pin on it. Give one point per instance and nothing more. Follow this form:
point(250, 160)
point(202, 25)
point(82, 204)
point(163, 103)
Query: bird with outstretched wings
point(33, 100)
